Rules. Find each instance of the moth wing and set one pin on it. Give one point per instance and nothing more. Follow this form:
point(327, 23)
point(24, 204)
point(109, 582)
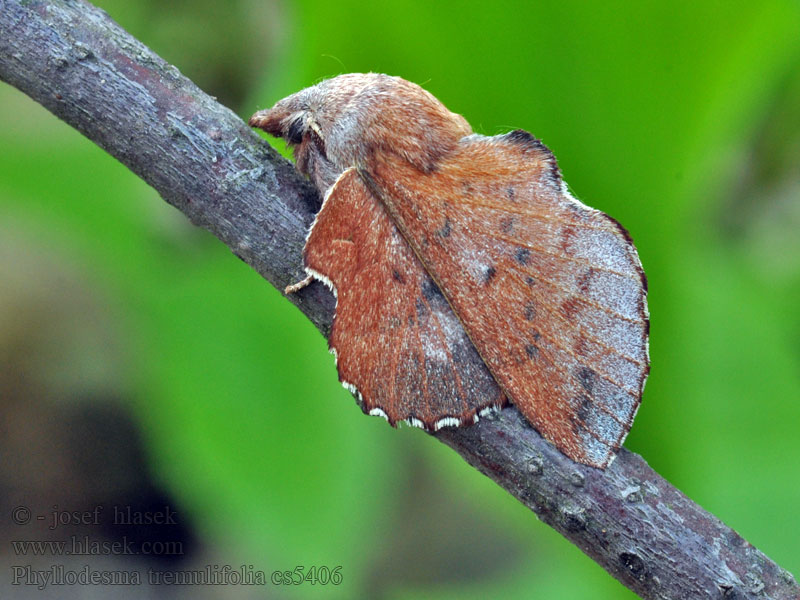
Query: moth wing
point(550, 291)
point(398, 344)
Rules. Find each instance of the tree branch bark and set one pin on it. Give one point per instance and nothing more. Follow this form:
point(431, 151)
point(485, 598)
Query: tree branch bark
point(73, 59)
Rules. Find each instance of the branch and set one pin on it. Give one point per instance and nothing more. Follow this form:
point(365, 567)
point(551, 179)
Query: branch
point(73, 59)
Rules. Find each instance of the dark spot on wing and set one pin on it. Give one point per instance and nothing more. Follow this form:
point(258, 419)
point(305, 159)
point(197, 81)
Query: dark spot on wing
point(531, 350)
point(583, 282)
point(587, 377)
point(584, 408)
point(530, 311)
point(444, 230)
point(431, 165)
point(489, 274)
point(530, 281)
point(431, 291)
point(398, 277)
point(510, 193)
point(522, 256)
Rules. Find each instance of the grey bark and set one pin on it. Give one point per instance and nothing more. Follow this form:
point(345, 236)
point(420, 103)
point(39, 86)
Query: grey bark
point(201, 157)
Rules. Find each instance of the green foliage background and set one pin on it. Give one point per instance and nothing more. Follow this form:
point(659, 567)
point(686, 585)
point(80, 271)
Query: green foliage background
point(680, 119)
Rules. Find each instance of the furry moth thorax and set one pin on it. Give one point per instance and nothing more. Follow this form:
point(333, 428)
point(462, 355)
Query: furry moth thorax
point(352, 120)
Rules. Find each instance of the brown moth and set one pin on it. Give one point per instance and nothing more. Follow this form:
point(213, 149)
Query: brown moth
point(466, 274)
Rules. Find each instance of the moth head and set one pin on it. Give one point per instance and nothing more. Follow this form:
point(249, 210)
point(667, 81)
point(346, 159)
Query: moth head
point(354, 119)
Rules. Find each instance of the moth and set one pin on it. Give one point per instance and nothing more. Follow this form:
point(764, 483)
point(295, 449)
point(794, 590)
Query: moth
point(466, 275)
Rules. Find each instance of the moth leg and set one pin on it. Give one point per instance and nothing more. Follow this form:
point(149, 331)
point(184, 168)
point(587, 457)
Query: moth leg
point(296, 287)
